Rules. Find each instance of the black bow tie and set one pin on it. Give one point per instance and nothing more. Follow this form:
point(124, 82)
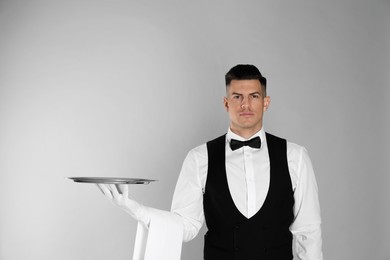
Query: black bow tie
point(254, 143)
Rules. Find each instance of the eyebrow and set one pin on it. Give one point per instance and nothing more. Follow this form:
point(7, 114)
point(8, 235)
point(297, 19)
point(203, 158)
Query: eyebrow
point(239, 94)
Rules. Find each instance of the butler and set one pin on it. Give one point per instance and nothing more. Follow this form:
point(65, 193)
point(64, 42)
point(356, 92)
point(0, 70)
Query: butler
point(256, 192)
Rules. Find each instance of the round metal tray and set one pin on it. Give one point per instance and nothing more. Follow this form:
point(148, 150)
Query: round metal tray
point(111, 180)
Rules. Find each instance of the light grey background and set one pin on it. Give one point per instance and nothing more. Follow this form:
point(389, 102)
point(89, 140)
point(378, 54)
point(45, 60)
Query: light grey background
point(126, 88)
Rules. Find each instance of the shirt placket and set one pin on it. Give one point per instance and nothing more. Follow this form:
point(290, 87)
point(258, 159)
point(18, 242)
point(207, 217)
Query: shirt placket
point(250, 181)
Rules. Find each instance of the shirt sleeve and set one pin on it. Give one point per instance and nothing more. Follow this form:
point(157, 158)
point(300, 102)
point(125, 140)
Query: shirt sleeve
point(306, 227)
point(187, 200)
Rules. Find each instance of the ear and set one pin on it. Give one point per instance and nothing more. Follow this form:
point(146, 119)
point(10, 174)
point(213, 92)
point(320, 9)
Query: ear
point(267, 101)
point(226, 103)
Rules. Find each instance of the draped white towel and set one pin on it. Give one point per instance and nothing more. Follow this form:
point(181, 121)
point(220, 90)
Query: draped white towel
point(163, 240)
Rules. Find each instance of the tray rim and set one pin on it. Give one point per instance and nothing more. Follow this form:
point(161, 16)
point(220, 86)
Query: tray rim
point(111, 180)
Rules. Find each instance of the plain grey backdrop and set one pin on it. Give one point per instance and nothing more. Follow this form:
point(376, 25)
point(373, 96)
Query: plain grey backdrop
point(127, 88)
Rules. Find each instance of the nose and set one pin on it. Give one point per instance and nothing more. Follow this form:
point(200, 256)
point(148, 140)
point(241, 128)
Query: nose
point(244, 103)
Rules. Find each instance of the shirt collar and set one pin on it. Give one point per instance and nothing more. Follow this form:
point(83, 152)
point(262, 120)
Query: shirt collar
point(230, 135)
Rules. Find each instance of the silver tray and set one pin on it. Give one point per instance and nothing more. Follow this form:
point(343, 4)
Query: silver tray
point(111, 180)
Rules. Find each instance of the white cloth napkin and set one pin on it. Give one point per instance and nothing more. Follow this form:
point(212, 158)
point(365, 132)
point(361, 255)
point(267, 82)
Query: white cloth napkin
point(163, 240)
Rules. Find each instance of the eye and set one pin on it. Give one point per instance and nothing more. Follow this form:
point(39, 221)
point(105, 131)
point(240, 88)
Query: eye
point(255, 96)
point(236, 97)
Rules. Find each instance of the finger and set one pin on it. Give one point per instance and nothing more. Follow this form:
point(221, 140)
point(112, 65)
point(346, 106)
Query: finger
point(97, 185)
point(114, 190)
point(119, 188)
point(125, 190)
point(106, 191)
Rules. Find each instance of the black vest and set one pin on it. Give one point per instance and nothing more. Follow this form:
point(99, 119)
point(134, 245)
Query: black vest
point(230, 234)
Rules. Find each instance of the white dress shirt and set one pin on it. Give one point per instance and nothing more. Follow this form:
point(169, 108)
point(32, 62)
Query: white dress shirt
point(248, 175)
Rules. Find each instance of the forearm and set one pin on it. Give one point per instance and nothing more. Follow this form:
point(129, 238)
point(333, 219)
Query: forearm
point(308, 243)
point(191, 227)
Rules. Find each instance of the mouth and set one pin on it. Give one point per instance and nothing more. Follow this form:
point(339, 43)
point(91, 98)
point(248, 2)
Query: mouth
point(246, 114)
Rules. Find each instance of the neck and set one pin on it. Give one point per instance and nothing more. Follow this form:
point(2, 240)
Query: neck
point(246, 132)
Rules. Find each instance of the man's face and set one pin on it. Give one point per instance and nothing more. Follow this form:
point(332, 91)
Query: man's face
point(245, 102)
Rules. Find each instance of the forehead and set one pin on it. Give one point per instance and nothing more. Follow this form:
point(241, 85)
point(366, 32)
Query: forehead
point(245, 86)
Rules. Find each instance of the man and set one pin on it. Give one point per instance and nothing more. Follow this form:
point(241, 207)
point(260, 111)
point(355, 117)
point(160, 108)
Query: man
point(255, 191)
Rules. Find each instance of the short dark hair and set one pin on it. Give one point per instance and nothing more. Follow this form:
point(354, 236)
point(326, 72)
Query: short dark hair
point(245, 71)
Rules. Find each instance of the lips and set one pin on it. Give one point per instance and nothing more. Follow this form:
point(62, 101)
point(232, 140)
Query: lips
point(246, 114)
